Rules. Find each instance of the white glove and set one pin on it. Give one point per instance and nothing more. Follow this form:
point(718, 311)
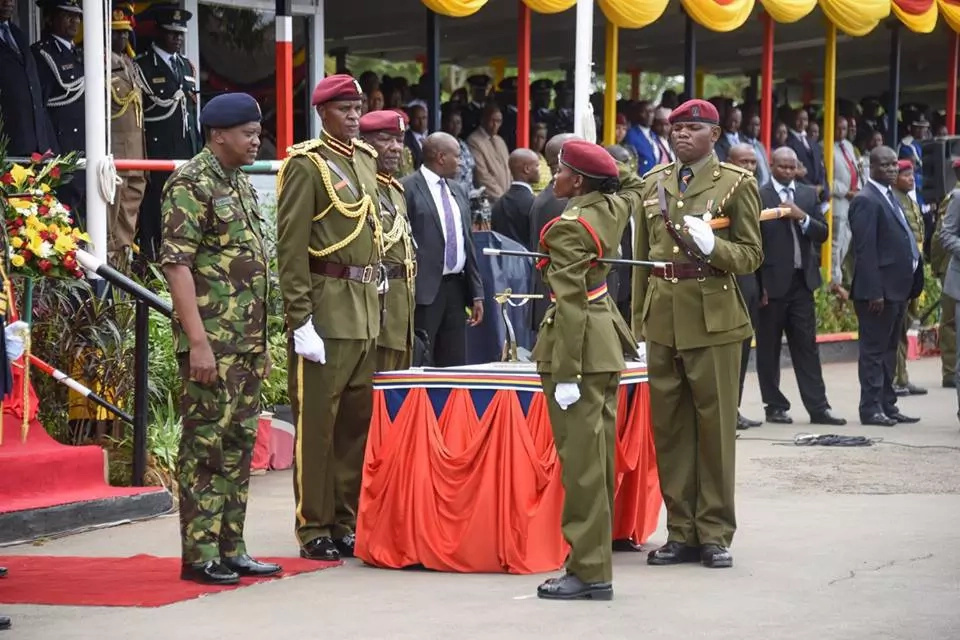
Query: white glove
point(308, 344)
point(566, 394)
point(642, 352)
point(15, 334)
point(702, 234)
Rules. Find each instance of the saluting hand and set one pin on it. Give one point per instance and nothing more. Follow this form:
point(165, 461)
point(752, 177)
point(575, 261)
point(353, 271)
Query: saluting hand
point(203, 366)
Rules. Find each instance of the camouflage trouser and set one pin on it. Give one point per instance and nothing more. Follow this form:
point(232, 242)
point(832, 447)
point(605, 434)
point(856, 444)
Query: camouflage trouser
point(219, 430)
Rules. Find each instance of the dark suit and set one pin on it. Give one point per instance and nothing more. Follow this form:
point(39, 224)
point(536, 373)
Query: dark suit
point(170, 134)
point(722, 147)
point(511, 213)
point(749, 286)
point(790, 307)
point(25, 119)
point(441, 299)
point(546, 207)
point(416, 149)
point(884, 250)
point(812, 160)
point(60, 66)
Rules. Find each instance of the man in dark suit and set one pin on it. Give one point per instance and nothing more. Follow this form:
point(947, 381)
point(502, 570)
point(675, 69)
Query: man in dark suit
point(413, 138)
point(25, 119)
point(546, 207)
point(448, 279)
point(788, 277)
point(60, 68)
point(730, 137)
point(886, 265)
point(809, 154)
point(511, 213)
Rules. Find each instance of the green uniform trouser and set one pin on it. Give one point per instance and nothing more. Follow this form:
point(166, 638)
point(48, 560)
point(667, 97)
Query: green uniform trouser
point(213, 468)
point(332, 404)
point(392, 360)
point(948, 337)
point(693, 403)
point(901, 378)
point(585, 435)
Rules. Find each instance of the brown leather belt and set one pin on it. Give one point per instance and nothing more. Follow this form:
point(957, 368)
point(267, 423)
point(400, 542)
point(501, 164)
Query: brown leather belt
point(674, 271)
point(399, 271)
point(364, 274)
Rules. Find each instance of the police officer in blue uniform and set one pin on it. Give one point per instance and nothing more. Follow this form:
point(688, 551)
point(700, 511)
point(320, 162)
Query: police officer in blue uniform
point(169, 113)
point(60, 70)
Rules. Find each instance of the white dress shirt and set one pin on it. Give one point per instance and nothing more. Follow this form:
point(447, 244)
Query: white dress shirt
point(63, 42)
point(433, 182)
point(166, 56)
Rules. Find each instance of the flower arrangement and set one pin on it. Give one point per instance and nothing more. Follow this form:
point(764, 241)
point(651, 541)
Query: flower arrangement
point(42, 238)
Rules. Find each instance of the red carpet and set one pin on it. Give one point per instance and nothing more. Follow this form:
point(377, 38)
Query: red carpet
point(44, 473)
point(140, 581)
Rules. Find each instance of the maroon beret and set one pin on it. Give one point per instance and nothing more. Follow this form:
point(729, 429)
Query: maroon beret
point(588, 159)
point(695, 111)
point(904, 165)
point(337, 87)
point(622, 119)
point(385, 120)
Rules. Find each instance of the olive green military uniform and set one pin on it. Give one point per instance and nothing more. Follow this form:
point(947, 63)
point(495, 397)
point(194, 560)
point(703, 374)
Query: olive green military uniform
point(211, 224)
point(126, 141)
point(947, 334)
point(583, 341)
point(915, 220)
point(395, 343)
point(328, 258)
point(694, 329)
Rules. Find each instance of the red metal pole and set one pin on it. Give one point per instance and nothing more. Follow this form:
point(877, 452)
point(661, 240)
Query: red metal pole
point(634, 84)
point(523, 75)
point(284, 86)
point(766, 83)
point(952, 63)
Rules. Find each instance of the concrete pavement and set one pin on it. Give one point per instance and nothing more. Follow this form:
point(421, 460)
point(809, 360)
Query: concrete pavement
point(833, 543)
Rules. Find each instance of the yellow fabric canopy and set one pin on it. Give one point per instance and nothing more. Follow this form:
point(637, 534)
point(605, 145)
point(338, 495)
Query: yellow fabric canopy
point(455, 8)
point(632, 14)
point(719, 15)
point(950, 10)
point(855, 17)
point(920, 16)
point(785, 11)
point(549, 6)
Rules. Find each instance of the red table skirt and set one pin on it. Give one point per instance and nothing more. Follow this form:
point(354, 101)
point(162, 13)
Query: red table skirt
point(483, 494)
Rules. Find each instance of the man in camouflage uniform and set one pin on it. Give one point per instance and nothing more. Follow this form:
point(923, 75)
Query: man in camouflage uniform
point(384, 131)
point(215, 262)
point(328, 261)
point(902, 189)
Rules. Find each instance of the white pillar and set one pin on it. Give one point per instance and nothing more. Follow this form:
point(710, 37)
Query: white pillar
point(192, 44)
point(95, 58)
point(318, 54)
point(583, 66)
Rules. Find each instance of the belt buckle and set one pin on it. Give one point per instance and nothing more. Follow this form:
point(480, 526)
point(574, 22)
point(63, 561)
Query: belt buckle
point(367, 276)
point(670, 273)
point(413, 269)
point(701, 277)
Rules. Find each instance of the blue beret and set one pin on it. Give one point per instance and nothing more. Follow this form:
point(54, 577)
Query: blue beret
point(230, 110)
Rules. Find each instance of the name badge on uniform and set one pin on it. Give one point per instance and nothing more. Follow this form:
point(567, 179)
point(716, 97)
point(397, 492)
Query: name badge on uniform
point(159, 80)
point(66, 67)
point(222, 201)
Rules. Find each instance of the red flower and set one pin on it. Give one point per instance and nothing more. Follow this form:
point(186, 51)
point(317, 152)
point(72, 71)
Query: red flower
point(6, 178)
point(69, 262)
point(27, 255)
point(44, 235)
point(36, 158)
point(55, 172)
point(43, 209)
point(45, 265)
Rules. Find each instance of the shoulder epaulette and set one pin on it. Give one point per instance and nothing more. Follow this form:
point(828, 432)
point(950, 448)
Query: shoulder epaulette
point(360, 144)
point(658, 169)
point(304, 147)
point(397, 184)
point(573, 213)
point(733, 167)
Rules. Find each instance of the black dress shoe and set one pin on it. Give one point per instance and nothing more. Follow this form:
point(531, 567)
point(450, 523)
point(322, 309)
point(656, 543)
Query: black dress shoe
point(570, 587)
point(779, 416)
point(745, 423)
point(877, 420)
point(321, 548)
point(5, 623)
point(246, 566)
point(713, 556)
point(3, 572)
point(900, 418)
point(209, 573)
point(827, 417)
point(346, 545)
point(901, 390)
point(673, 553)
point(914, 390)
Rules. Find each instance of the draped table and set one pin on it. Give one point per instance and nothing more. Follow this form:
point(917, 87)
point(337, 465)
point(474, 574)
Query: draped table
point(461, 472)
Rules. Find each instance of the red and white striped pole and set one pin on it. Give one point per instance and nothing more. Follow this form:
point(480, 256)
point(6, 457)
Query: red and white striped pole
point(284, 87)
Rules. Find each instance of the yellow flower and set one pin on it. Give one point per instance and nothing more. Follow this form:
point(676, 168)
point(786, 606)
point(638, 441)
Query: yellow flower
point(36, 244)
point(64, 244)
point(16, 242)
point(19, 173)
point(21, 203)
point(45, 187)
point(32, 224)
point(17, 260)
